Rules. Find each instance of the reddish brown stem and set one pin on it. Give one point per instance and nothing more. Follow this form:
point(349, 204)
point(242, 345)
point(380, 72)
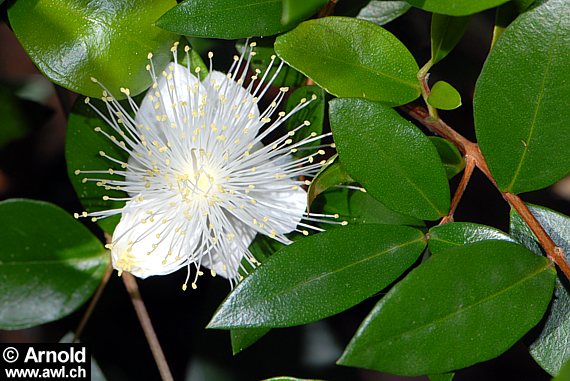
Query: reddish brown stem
point(328, 9)
point(93, 303)
point(469, 166)
point(471, 150)
point(554, 253)
point(133, 289)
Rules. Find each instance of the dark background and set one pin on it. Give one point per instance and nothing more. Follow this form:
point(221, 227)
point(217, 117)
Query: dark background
point(34, 167)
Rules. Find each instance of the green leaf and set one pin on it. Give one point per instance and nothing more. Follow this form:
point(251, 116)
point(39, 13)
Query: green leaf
point(82, 147)
point(390, 157)
point(450, 156)
point(441, 377)
point(443, 96)
point(287, 76)
point(243, 338)
point(320, 276)
point(295, 10)
point(521, 106)
point(228, 19)
point(359, 207)
point(550, 349)
point(314, 113)
point(288, 379)
point(352, 58)
point(455, 7)
point(454, 234)
point(473, 301)
point(329, 176)
point(381, 12)
point(71, 41)
point(50, 264)
point(446, 32)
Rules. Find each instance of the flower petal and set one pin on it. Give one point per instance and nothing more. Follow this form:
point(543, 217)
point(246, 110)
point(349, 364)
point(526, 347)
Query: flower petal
point(287, 205)
point(227, 264)
point(138, 249)
point(220, 88)
point(175, 85)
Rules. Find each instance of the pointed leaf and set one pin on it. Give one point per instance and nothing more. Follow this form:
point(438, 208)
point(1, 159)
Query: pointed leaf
point(358, 207)
point(455, 7)
point(443, 237)
point(71, 41)
point(550, 349)
point(525, 136)
point(390, 157)
point(446, 32)
point(352, 58)
point(474, 301)
point(243, 338)
point(294, 10)
point(443, 96)
point(329, 176)
point(50, 264)
point(320, 276)
point(450, 156)
point(225, 19)
point(381, 12)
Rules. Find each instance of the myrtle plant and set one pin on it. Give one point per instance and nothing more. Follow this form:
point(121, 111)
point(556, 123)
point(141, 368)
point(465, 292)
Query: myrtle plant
point(314, 173)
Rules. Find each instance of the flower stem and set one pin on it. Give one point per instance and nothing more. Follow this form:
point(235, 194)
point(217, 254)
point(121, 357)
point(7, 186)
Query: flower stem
point(472, 152)
point(93, 303)
point(142, 314)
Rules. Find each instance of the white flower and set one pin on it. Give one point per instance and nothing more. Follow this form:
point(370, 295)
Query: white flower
point(201, 183)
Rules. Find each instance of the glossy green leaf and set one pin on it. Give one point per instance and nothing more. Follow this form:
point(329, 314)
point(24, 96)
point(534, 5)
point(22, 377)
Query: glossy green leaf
point(329, 176)
point(287, 76)
point(450, 156)
point(294, 10)
point(550, 349)
point(82, 147)
point(473, 301)
point(320, 276)
point(381, 12)
point(314, 113)
point(455, 7)
point(443, 96)
point(390, 157)
point(446, 32)
point(71, 41)
point(288, 379)
point(359, 207)
point(524, 136)
point(352, 58)
point(243, 338)
point(441, 377)
point(443, 237)
point(228, 19)
point(50, 264)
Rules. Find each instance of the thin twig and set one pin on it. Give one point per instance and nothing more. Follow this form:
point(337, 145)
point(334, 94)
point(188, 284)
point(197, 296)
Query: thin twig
point(471, 150)
point(142, 314)
point(469, 166)
point(93, 303)
point(328, 9)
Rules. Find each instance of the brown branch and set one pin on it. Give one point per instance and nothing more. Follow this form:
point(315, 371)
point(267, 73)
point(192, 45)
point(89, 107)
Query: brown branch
point(328, 9)
point(469, 166)
point(93, 303)
point(471, 150)
point(133, 289)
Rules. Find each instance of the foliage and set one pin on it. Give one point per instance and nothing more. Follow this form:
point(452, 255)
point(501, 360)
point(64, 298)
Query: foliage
point(449, 295)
